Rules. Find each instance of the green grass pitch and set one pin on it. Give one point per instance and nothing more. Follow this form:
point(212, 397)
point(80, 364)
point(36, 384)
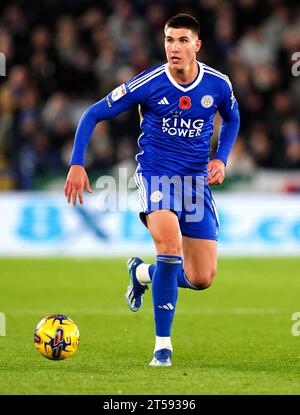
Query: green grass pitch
point(234, 338)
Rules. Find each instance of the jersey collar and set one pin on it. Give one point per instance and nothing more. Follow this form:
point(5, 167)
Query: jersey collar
point(182, 88)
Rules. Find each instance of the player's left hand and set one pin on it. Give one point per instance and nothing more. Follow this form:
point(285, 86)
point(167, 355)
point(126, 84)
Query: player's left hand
point(216, 169)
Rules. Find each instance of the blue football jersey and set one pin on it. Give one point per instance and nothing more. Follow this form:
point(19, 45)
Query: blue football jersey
point(177, 121)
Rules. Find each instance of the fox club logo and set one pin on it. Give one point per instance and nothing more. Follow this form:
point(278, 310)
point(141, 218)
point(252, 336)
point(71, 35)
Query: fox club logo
point(185, 103)
point(207, 101)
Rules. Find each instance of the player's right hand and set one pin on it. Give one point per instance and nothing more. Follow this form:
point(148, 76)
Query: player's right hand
point(77, 180)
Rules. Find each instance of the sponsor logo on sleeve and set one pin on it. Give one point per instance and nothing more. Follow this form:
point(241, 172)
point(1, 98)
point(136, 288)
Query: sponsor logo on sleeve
point(118, 92)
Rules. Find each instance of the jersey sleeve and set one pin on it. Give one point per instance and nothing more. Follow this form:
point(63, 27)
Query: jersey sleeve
point(228, 109)
point(119, 100)
point(228, 101)
point(123, 97)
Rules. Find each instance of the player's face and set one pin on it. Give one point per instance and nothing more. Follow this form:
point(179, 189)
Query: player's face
point(181, 46)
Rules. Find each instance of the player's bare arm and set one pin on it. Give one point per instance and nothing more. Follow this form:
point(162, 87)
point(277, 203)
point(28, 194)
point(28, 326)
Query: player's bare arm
point(77, 181)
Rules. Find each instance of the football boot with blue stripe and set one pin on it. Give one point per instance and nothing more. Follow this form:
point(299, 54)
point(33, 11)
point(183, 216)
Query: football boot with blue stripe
point(135, 290)
point(161, 357)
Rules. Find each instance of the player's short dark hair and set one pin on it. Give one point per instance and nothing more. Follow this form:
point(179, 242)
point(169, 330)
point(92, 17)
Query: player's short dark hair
point(184, 20)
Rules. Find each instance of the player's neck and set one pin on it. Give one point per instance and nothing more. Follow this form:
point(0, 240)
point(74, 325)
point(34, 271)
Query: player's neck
point(186, 75)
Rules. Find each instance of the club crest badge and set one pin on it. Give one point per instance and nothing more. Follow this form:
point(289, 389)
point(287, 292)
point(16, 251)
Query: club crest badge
point(207, 101)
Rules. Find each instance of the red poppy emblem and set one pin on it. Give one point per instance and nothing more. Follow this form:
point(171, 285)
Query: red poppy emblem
point(185, 103)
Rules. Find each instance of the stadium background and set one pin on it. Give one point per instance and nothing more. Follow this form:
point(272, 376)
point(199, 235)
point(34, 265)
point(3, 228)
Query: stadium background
point(63, 55)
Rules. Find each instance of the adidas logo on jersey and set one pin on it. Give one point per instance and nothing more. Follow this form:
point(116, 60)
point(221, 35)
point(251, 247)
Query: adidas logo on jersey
point(163, 101)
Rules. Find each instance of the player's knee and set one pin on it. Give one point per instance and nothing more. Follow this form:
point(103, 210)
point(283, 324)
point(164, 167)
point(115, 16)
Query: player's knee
point(166, 248)
point(202, 280)
point(204, 284)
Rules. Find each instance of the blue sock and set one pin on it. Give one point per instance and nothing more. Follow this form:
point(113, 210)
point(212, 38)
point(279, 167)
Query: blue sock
point(182, 280)
point(165, 292)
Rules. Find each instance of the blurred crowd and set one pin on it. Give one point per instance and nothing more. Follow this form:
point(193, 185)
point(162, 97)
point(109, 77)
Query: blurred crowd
point(63, 55)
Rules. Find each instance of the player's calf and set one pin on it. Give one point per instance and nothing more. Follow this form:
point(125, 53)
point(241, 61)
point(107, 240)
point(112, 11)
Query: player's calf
point(195, 281)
